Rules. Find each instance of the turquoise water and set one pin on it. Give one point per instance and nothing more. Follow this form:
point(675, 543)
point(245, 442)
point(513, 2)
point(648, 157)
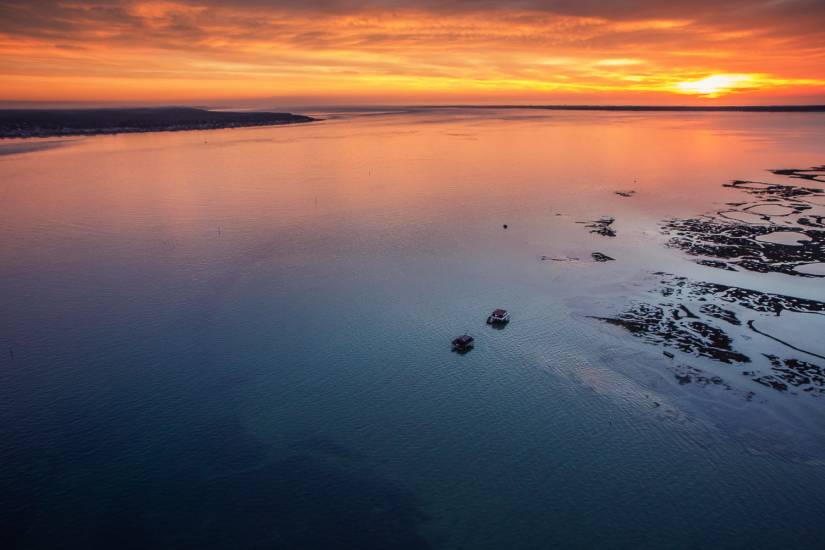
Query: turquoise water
point(240, 339)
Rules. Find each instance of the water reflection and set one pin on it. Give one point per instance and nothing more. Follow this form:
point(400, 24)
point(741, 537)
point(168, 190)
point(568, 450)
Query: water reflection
point(241, 338)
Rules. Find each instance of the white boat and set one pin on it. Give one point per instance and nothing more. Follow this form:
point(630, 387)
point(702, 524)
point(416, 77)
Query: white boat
point(498, 317)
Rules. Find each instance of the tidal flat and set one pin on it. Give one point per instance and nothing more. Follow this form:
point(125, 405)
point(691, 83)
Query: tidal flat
point(243, 341)
point(721, 241)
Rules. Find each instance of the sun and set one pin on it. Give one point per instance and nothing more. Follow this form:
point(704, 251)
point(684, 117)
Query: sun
point(716, 85)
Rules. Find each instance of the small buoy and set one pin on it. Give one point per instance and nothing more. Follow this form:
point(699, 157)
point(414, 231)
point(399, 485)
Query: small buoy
point(504, 226)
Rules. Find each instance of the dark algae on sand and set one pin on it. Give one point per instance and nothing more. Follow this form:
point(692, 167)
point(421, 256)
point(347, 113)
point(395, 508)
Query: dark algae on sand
point(780, 229)
point(777, 228)
point(602, 226)
point(696, 318)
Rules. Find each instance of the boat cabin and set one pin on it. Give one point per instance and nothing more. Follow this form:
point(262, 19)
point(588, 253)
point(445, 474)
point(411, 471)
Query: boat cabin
point(463, 343)
point(498, 317)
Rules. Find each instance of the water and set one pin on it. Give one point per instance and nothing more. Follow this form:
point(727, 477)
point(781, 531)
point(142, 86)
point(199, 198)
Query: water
point(240, 339)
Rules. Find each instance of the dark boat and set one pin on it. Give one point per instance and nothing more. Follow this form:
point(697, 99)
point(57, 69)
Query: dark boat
point(463, 343)
point(498, 317)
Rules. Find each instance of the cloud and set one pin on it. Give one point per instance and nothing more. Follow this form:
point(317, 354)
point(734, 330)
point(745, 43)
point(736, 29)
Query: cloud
point(257, 47)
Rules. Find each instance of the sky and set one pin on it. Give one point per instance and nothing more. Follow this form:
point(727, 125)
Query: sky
point(701, 52)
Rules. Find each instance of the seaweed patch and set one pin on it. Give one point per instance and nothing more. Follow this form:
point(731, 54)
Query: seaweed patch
point(712, 320)
point(794, 373)
point(816, 173)
point(667, 324)
point(602, 226)
point(600, 257)
point(778, 231)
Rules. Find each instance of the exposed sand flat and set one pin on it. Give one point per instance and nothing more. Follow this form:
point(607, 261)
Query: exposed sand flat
point(744, 217)
point(770, 210)
point(817, 268)
point(789, 238)
point(800, 331)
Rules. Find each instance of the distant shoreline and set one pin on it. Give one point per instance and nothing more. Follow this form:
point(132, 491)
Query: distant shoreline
point(38, 123)
point(678, 108)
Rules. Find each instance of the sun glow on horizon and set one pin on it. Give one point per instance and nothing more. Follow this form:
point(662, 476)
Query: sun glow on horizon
point(718, 85)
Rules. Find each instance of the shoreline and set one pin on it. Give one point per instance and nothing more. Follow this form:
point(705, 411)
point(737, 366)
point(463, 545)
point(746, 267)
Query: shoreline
point(47, 123)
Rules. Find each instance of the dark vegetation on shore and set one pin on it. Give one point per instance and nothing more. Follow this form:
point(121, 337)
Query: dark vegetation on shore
point(23, 123)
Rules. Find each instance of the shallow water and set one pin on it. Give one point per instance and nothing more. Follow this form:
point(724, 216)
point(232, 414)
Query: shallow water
point(240, 338)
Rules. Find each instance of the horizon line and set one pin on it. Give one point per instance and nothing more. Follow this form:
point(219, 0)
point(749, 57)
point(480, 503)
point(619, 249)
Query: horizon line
point(807, 108)
point(616, 107)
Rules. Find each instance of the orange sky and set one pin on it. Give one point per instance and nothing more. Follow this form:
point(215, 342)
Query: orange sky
point(397, 51)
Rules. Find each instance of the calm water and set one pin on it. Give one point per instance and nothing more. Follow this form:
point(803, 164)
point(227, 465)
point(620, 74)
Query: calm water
point(240, 339)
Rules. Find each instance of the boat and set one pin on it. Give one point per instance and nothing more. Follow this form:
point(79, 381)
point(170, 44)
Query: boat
point(463, 343)
point(498, 317)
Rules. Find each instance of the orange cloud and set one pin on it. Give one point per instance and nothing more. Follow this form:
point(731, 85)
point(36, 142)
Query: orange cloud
point(464, 51)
